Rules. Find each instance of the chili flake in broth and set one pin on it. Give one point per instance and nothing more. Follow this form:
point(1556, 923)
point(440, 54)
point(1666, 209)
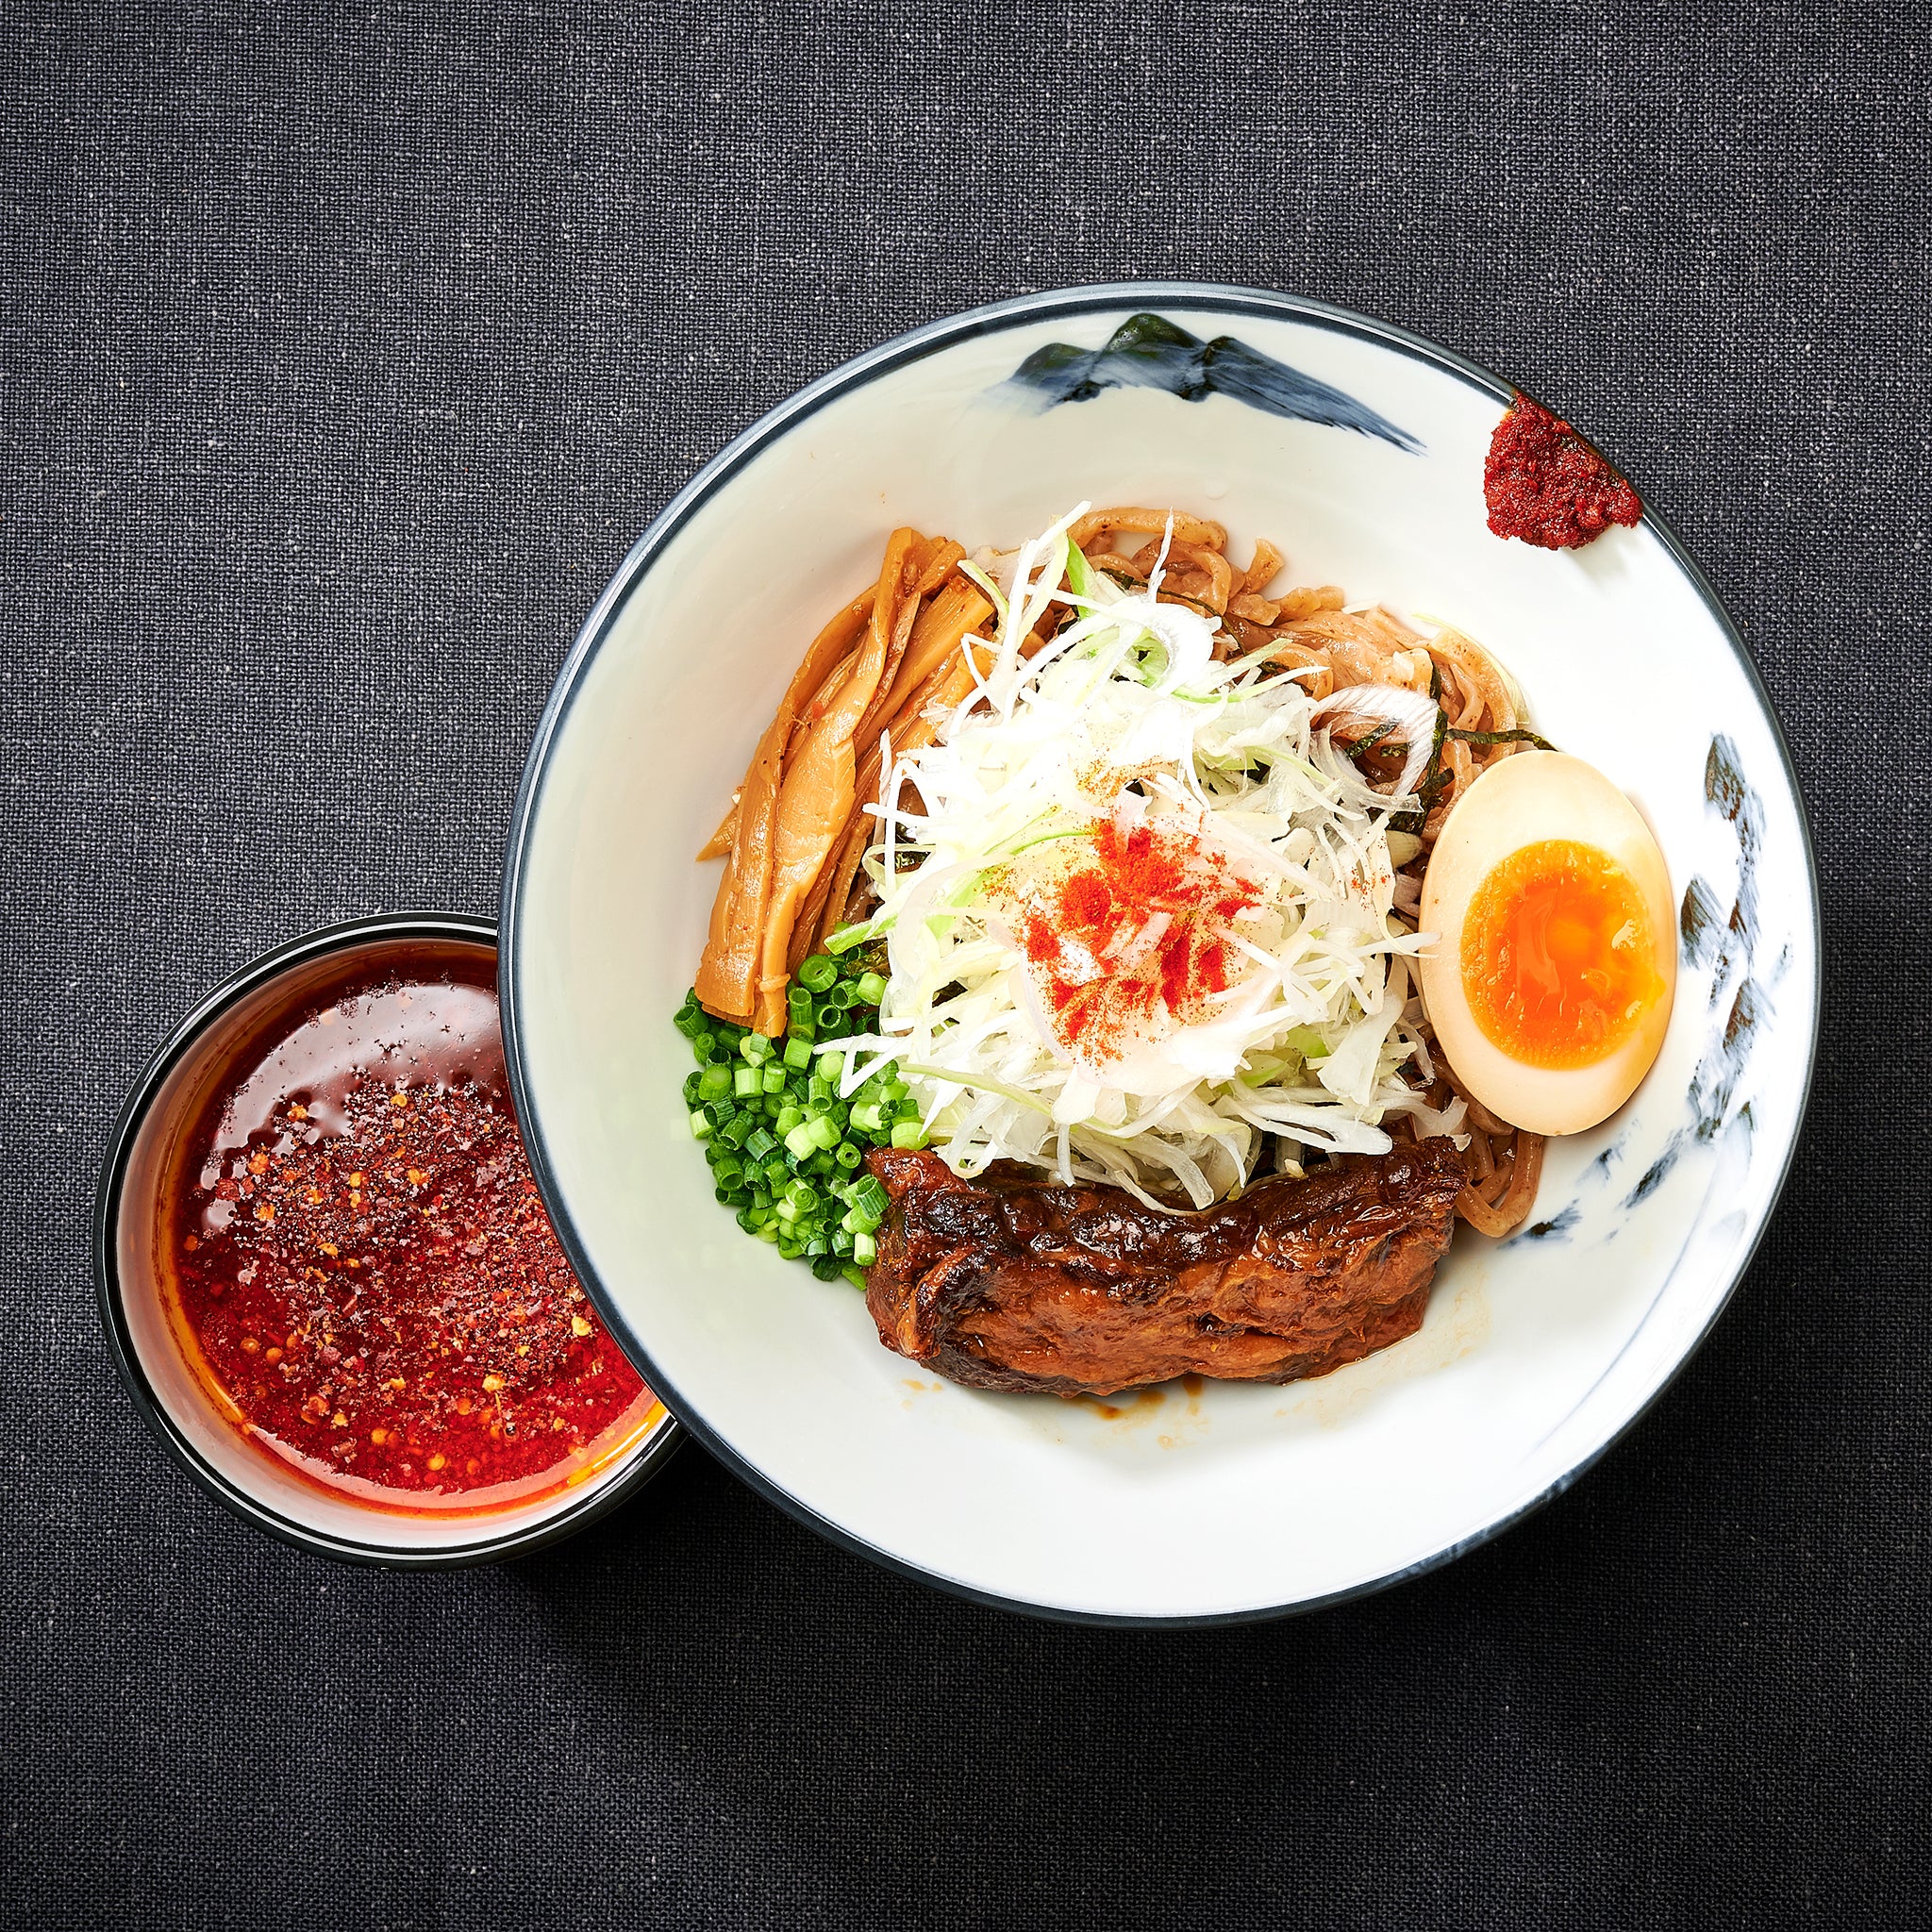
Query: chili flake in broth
point(367, 1272)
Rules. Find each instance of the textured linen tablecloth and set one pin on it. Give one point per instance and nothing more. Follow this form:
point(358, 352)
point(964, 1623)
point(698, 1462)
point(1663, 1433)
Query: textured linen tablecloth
point(346, 350)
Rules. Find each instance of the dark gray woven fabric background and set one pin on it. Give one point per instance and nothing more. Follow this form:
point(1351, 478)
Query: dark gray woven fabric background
point(345, 351)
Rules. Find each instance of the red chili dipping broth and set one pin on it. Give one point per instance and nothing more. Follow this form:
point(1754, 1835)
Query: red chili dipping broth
point(365, 1269)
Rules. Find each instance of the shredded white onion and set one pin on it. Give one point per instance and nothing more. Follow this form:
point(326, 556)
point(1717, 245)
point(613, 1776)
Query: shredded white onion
point(1125, 715)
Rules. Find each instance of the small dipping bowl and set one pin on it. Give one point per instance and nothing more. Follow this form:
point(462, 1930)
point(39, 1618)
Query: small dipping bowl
point(229, 1034)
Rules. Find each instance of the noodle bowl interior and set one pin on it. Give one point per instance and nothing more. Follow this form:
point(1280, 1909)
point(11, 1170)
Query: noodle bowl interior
point(1067, 988)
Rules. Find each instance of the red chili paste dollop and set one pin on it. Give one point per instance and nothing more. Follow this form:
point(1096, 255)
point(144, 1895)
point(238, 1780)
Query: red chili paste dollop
point(1133, 935)
point(1545, 484)
point(366, 1269)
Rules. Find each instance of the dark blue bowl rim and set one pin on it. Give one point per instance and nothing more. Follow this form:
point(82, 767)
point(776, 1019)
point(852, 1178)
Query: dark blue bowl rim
point(735, 456)
point(647, 1460)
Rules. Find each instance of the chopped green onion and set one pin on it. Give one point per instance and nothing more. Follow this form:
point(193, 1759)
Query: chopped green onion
point(786, 1154)
point(856, 1278)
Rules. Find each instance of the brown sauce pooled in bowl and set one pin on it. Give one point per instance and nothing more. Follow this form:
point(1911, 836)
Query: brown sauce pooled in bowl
point(357, 1251)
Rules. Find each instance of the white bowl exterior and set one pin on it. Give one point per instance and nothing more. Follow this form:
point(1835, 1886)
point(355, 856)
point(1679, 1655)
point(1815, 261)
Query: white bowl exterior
point(1537, 1350)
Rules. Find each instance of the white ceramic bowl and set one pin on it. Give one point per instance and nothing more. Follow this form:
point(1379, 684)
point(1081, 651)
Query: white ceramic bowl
point(1237, 1500)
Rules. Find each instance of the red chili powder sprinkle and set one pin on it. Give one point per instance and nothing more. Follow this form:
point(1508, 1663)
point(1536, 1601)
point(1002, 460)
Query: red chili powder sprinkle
point(1107, 985)
point(1546, 485)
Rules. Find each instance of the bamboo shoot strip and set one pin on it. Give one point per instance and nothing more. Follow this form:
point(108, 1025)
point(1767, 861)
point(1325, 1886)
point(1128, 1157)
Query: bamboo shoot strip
point(814, 801)
point(728, 975)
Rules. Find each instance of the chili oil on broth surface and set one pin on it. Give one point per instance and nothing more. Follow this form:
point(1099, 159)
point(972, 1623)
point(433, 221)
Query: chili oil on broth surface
point(362, 1271)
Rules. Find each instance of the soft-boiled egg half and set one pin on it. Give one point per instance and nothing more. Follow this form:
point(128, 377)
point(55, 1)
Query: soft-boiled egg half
point(1550, 977)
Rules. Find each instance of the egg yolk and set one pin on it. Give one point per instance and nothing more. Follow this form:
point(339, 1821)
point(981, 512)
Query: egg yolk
point(1558, 959)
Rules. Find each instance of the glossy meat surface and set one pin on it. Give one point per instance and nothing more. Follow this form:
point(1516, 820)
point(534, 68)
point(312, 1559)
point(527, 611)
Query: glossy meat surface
point(1014, 1282)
